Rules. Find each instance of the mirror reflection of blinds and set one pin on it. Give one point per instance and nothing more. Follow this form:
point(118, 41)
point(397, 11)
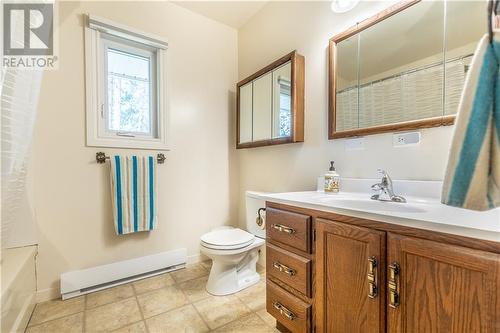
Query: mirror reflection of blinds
point(411, 95)
point(285, 86)
point(284, 82)
point(465, 59)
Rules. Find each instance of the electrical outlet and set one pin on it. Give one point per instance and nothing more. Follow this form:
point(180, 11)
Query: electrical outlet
point(405, 139)
point(355, 144)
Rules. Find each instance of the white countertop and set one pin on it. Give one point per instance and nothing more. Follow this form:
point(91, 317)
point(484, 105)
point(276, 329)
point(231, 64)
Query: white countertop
point(419, 212)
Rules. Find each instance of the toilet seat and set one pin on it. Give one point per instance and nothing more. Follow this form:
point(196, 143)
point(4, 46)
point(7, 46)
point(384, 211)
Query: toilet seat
point(257, 242)
point(227, 239)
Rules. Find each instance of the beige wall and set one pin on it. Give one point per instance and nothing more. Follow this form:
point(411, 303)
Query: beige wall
point(284, 26)
point(197, 183)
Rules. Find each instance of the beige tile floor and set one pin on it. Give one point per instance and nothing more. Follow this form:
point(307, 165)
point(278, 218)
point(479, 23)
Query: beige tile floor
point(172, 302)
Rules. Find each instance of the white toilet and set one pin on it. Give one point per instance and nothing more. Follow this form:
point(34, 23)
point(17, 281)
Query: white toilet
point(234, 252)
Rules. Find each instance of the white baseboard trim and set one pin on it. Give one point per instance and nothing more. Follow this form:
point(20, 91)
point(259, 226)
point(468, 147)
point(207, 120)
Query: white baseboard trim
point(48, 294)
point(196, 258)
point(193, 259)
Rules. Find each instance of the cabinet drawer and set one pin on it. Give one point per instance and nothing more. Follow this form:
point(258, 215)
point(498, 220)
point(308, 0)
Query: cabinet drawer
point(290, 311)
point(292, 229)
point(291, 269)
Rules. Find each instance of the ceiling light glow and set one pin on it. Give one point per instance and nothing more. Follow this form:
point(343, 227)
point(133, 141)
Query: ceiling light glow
point(343, 6)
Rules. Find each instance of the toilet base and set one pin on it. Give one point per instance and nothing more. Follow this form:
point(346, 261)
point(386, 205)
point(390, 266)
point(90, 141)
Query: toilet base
point(229, 277)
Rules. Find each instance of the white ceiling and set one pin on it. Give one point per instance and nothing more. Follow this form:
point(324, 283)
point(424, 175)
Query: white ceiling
point(232, 13)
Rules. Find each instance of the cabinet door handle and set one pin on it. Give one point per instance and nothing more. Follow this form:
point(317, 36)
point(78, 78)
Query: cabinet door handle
point(393, 285)
point(283, 268)
point(372, 277)
point(284, 311)
point(283, 228)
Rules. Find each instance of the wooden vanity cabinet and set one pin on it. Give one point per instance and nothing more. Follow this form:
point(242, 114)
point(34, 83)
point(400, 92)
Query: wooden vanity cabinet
point(442, 287)
point(350, 265)
point(366, 276)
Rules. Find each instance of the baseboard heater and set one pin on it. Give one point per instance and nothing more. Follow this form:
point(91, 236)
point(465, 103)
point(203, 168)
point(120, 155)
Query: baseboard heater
point(92, 279)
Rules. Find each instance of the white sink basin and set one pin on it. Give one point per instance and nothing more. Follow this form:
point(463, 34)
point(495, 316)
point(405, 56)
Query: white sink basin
point(423, 210)
point(374, 205)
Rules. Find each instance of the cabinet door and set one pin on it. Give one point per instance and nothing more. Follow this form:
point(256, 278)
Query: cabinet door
point(282, 101)
point(245, 114)
point(262, 104)
point(442, 288)
point(344, 254)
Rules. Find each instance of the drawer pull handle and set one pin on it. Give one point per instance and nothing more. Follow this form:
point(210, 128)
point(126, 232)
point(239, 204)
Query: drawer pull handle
point(284, 311)
point(372, 277)
point(285, 269)
point(284, 228)
point(393, 285)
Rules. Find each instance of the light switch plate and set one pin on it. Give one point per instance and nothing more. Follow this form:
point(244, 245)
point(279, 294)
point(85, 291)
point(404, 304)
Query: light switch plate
point(405, 139)
point(355, 144)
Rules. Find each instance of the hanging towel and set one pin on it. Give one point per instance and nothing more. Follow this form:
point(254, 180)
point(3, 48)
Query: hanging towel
point(133, 188)
point(472, 179)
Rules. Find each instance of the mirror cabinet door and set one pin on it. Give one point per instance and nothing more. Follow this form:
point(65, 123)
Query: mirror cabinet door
point(282, 101)
point(346, 101)
point(465, 25)
point(401, 67)
point(262, 97)
point(245, 130)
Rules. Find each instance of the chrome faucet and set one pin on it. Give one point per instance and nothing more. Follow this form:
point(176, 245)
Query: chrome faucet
point(386, 192)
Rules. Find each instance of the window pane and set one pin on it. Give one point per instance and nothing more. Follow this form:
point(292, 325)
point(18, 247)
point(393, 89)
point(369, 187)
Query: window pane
point(285, 112)
point(129, 95)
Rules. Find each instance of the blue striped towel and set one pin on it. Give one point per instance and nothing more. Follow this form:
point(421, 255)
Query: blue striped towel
point(472, 178)
point(133, 187)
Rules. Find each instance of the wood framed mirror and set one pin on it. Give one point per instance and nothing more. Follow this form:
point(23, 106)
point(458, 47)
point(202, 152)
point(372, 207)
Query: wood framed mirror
point(270, 104)
point(403, 68)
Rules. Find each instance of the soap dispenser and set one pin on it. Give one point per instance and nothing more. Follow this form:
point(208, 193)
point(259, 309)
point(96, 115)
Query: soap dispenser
point(332, 180)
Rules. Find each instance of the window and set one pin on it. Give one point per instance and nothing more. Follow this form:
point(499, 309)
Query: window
point(130, 90)
point(285, 119)
point(125, 80)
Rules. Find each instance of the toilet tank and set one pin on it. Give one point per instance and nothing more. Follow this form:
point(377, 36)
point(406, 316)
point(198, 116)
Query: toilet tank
point(253, 203)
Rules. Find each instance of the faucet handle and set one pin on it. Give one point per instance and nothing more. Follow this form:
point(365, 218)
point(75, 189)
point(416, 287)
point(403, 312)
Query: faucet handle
point(386, 179)
point(376, 187)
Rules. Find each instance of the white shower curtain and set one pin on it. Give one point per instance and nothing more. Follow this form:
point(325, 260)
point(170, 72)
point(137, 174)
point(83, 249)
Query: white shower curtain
point(19, 90)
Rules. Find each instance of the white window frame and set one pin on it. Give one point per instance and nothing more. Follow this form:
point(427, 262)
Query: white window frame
point(99, 35)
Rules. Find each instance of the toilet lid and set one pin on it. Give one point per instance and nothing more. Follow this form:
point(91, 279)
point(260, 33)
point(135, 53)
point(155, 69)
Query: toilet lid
point(228, 238)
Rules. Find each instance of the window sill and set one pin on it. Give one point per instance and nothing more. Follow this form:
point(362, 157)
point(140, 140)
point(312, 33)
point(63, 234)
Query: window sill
point(135, 143)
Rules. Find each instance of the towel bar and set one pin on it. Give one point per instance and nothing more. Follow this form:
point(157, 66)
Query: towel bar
point(101, 157)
